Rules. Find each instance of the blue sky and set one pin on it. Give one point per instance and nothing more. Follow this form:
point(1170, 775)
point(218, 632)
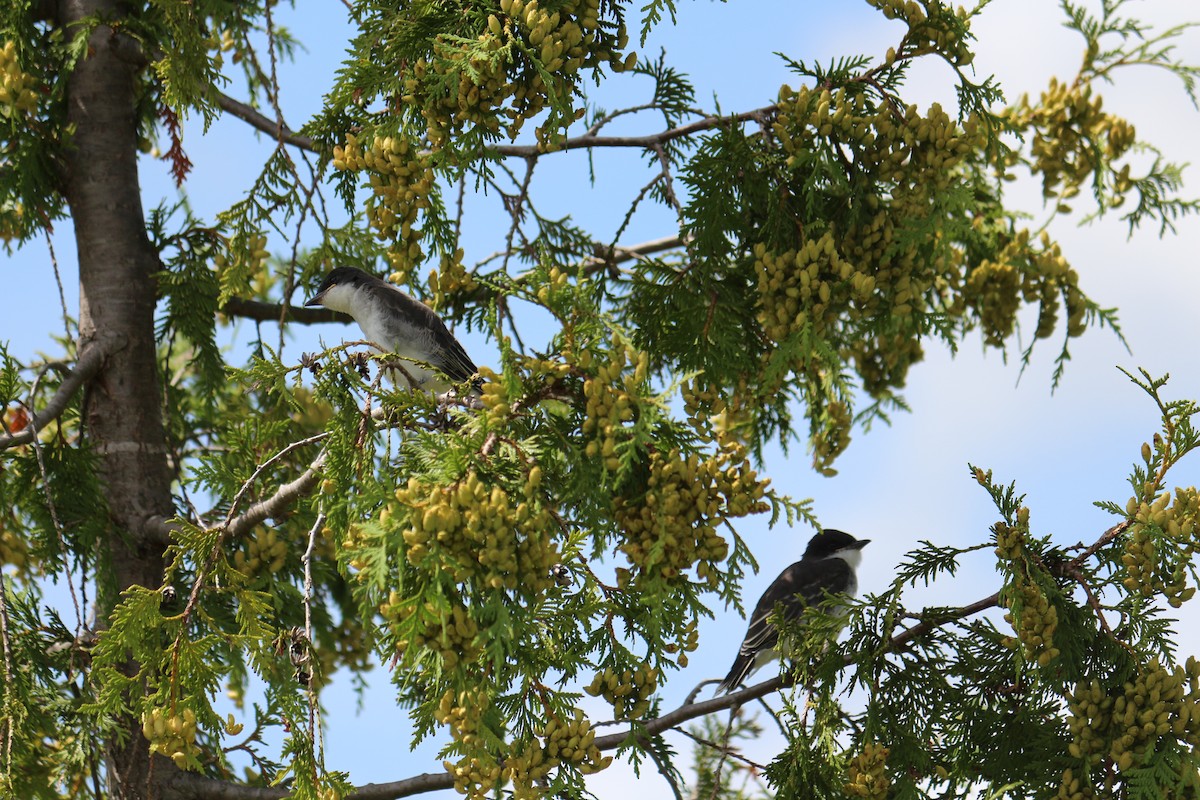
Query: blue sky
point(896, 485)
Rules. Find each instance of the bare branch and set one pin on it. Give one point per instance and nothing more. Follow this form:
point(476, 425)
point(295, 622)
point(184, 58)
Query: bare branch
point(620, 255)
point(190, 786)
point(194, 787)
point(6, 734)
point(276, 130)
point(237, 498)
point(284, 497)
point(705, 707)
point(1109, 535)
point(272, 312)
point(85, 368)
point(648, 142)
point(315, 728)
point(586, 141)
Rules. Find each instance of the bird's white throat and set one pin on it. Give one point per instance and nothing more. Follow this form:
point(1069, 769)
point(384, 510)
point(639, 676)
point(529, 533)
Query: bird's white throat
point(851, 557)
point(344, 298)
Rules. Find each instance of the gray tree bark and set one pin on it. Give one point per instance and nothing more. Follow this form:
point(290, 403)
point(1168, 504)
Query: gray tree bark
point(122, 410)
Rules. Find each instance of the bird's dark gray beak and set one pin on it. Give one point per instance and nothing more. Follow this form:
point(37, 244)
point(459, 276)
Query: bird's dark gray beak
point(316, 299)
point(861, 543)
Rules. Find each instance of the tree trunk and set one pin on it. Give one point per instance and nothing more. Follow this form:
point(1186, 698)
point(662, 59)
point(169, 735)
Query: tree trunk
point(117, 294)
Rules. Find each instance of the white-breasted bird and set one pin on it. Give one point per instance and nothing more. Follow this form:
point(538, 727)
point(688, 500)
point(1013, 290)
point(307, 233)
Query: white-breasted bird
point(827, 569)
point(397, 323)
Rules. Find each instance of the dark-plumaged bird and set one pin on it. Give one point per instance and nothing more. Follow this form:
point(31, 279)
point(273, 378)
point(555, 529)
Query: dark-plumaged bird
point(827, 569)
point(397, 323)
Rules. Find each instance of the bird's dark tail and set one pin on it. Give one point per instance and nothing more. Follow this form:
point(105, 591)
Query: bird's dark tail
point(742, 666)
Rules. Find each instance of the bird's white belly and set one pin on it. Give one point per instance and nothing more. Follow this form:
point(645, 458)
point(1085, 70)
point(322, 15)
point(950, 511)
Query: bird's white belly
point(406, 372)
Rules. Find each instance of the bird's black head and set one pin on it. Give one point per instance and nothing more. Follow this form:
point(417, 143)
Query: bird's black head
point(340, 276)
point(830, 541)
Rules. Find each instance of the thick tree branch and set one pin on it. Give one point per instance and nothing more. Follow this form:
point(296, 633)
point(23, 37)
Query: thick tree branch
point(272, 312)
point(283, 499)
point(85, 368)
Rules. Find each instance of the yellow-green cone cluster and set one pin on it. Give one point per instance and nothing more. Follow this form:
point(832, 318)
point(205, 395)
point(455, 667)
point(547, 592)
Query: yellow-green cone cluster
point(451, 635)
point(264, 551)
point(1030, 612)
point(831, 436)
point(494, 80)
point(481, 86)
point(865, 268)
point(931, 34)
point(1024, 271)
point(480, 533)
point(843, 275)
point(474, 775)
point(573, 741)
point(536, 374)
point(798, 287)
point(447, 281)
point(256, 252)
point(172, 735)
point(1072, 138)
point(610, 401)
point(401, 180)
point(1122, 725)
point(673, 526)
point(867, 773)
point(712, 417)
point(511, 69)
point(1161, 542)
point(13, 549)
point(688, 642)
point(463, 713)
point(628, 691)
point(522, 766)
point(17, 96)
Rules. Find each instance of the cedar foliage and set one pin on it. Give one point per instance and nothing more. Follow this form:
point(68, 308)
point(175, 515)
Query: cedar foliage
point(568, 535)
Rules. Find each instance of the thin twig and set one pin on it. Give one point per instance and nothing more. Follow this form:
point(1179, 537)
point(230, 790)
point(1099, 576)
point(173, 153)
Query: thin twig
point(516, 209)
point(723, 749)
point(774, 715)
point(695, 692)
point(633, 207)
point(249, 114)
point(1109, 535)
point(647, 142)
point(314, 708)
point(259, 311)
point(726, 749)
point(668, 184)
point(62, 296)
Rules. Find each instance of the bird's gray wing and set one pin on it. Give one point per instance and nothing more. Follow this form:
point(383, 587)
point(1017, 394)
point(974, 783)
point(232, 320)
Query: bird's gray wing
point(445, 352)
point(802, 584)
